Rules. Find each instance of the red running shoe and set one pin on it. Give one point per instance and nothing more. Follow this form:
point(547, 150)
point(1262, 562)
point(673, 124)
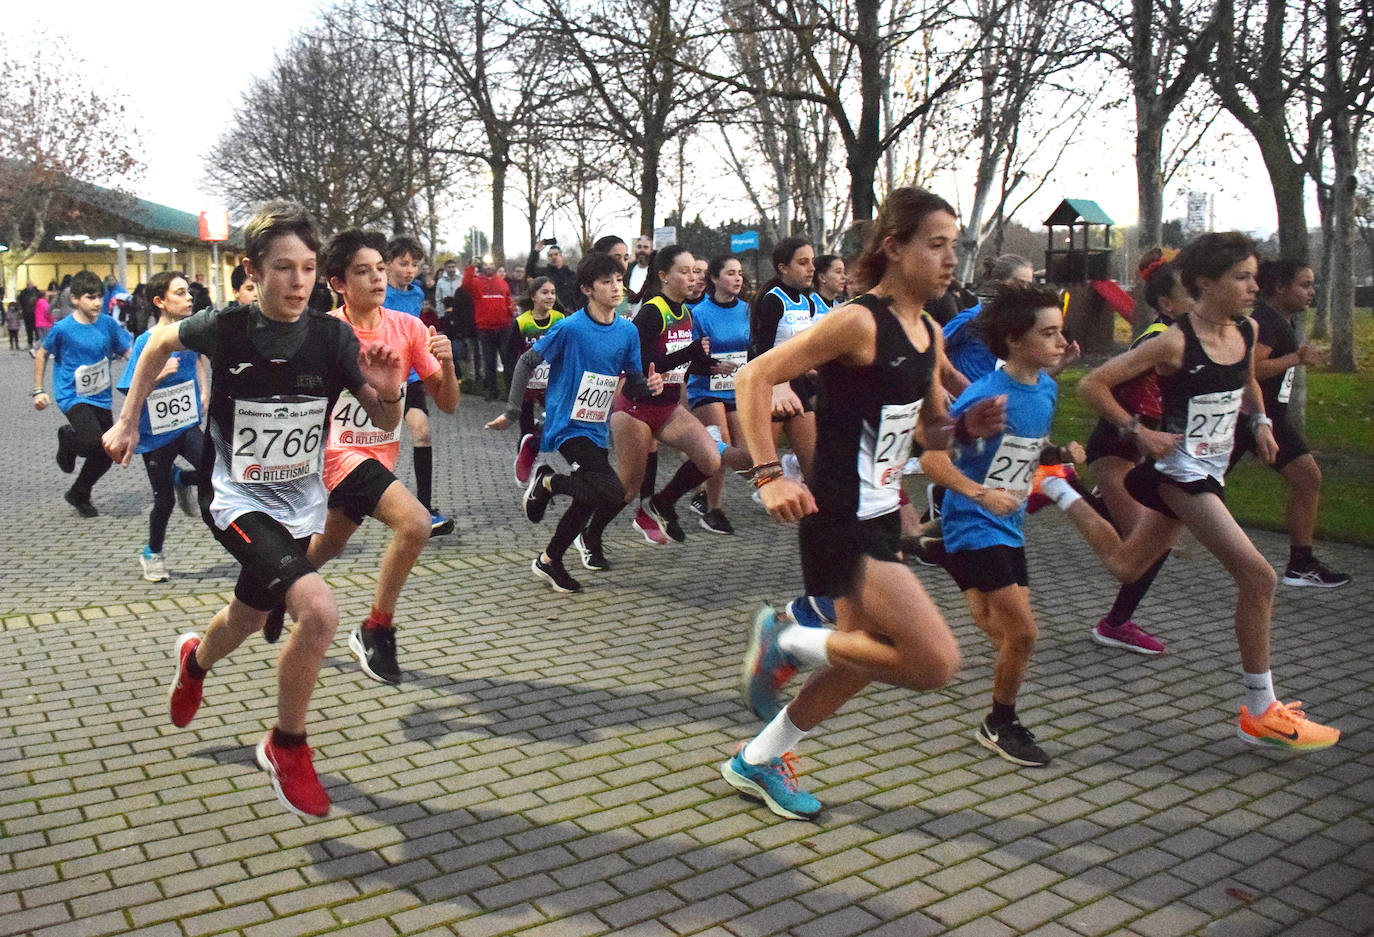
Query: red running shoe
point(293, 778)
point(185, 692)
point(525, 456)
point(649, 528)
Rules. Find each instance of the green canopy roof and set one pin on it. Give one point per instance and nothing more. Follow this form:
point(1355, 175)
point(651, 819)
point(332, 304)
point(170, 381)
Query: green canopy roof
point(1078, 211)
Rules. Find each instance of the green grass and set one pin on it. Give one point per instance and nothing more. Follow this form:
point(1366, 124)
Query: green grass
point(1340, 432)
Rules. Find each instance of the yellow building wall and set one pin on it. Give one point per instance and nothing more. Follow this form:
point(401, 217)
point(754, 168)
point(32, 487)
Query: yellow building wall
point(43, 268)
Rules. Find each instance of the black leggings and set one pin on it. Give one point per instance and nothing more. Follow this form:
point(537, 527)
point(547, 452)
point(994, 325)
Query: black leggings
point(160, 464)
point(82, 437)
point(593, 484)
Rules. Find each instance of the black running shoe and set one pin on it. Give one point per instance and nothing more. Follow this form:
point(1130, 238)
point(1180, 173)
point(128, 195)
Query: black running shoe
point(83, 505)
point(928, 551)
point(716, 522)
point(593, 557)
point(66, 455)
point(1013, 742)
point(537, 497)
point(666, 518)
point(555, 575)
point(699, 504)
point(1316, 574)
point(375, 649)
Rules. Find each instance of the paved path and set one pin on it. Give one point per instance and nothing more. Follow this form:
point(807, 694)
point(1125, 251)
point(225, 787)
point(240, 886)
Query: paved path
point(550, 764)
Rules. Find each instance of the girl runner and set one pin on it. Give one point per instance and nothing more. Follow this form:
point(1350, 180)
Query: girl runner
point(783, 311)
point(1111, 457)
point(723, 319)
point(533, 323)
point(877, 357)
point(828, 285)
point(1206, 378)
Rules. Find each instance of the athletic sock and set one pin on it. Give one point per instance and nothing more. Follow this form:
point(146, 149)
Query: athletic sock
point(1129, 596)
point(650, 481)
point(1299, 557)
point(1060, 492)
point(714, 432)
point(194, 670)
point(1003, 714)
point(379, 619)
point(1259, 692)
point(282, 739)
point(423, 457)
point(683, 481)
point(777, 738)
point(807, 646)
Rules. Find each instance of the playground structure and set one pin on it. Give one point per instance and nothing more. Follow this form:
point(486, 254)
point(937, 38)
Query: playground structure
point(1083, 270)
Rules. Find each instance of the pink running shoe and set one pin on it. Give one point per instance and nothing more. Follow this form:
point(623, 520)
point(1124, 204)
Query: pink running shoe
point(647, 526)
point(1129, 636)
point(524, 458)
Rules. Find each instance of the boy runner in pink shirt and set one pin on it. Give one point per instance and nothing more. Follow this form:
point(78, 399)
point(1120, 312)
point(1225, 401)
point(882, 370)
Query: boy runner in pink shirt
point(360, 458)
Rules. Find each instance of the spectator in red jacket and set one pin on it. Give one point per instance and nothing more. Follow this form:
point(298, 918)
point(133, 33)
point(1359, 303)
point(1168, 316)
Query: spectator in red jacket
point(494, 312)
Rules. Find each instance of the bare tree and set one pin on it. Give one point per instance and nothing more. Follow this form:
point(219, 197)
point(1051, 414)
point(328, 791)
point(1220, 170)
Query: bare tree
point(55, 133)
point(628, 56)
point(486, 53)
point(343, 125)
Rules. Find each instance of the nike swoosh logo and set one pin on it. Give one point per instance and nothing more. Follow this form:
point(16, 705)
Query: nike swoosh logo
point(1291, 736)
point(241, 367)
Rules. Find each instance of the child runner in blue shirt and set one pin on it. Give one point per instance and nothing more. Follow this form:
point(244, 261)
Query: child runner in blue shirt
point(985, 502)
point(82, 345)
point(169, 425)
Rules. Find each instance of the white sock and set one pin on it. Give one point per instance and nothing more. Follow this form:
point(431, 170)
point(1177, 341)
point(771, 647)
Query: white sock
point(807, 646)
point(1059, 491)
point(777, 738)
point(1259, 691)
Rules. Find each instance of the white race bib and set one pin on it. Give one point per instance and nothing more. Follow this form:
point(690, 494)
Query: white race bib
point(1286, 387)
point(883, 466)
point(172, 408)
point(594, 395)
point(1013, 464)
point(727, 381)
point(539, 377)
point(91, 379)
point(350, 426)
point(678, 374)
point(277, 440)
point(1212, 424)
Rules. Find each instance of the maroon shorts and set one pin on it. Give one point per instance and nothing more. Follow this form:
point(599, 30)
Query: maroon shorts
point(649, 412)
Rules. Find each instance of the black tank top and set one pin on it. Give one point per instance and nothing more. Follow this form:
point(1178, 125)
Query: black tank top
point(865, 418)
point(1200, 402)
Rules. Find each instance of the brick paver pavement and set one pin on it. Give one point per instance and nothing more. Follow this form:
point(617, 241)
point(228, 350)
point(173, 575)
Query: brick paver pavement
point(549, 766)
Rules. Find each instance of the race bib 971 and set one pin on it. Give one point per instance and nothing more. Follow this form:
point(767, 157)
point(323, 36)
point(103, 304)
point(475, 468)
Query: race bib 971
point(91, 379)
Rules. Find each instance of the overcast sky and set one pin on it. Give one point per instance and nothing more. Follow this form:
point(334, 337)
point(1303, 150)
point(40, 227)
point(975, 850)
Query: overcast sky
point(223, 47)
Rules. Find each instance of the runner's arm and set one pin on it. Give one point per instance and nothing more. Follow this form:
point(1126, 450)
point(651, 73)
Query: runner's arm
point(40, 365)
point(519, 380)
point(121, 438)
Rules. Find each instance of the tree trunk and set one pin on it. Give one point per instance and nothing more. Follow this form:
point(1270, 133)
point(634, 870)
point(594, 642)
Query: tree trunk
point(498, 209)
point(1341, 249)
point(648, 186)
point(1287, 179)
point(864, 152)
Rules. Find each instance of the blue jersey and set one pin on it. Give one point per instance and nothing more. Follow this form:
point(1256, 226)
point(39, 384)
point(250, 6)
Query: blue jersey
point(1007, 460)
point(409, 301)
point(964, 349)
point(174, 403)
point(585, 360)
point(81, 355)
point(728, 329)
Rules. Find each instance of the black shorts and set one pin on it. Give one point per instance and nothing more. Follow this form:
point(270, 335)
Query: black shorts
point(831, 548)
point(1143, 483)
point(271, 558)
point(703, 401)
point(1105, 441)
point(987, 569)
point(415, 397)
point(1291, 443)
point(357, 495)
